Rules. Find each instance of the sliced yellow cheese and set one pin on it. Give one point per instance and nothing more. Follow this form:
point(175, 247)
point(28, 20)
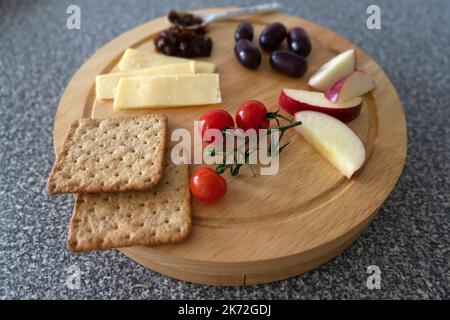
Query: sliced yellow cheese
point(167, 91)
point(134, 59)
point(105, 84)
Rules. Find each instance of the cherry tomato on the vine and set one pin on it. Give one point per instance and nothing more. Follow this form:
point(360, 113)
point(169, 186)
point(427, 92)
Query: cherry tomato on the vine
point(252, 115)
point(215, 119)
point(207, 185)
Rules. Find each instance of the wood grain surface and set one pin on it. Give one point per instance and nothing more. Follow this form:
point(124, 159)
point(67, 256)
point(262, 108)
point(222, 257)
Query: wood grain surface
point(267, 228)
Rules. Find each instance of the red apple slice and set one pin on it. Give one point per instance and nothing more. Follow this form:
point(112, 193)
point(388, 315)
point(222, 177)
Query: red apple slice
point(336, 142)
point(350, 86)
point(333, 70)
point(293, 101)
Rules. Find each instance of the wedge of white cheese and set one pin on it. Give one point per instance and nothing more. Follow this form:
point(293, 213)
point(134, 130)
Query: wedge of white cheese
point(167, 91)
point(106, 84)
point(134, 59)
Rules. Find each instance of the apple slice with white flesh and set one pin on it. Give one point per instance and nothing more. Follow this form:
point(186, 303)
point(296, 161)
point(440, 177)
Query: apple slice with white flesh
point(350, 86)
point(293, 101)
point(339, 144)
point(333, 70)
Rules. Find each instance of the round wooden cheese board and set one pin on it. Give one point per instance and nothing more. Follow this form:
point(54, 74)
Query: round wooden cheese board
point(267, 228)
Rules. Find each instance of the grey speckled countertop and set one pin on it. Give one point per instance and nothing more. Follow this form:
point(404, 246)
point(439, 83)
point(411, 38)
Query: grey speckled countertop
point(409, 239)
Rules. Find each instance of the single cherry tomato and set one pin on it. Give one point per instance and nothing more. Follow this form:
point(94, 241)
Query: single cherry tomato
point(207, 185)
point(252, 115)
point(215, 119)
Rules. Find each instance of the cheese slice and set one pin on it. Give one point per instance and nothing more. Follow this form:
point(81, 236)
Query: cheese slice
point(134, 59)
point(167, 91)
point(105, 84)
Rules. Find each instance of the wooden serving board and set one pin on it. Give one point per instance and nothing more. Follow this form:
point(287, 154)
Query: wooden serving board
point(267, 228)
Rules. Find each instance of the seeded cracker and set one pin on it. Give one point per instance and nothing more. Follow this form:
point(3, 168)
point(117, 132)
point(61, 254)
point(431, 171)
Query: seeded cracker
point(110, 155)
point(114, 220)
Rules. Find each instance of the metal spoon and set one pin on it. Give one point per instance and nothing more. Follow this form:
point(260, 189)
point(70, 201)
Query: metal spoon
point(210, 17)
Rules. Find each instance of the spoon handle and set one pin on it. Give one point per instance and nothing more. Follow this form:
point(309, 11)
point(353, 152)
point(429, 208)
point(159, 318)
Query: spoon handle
point(243, 11)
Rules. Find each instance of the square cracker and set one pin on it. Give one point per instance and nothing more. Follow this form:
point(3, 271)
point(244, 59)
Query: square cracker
point(110, 155)
point(114, 220)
